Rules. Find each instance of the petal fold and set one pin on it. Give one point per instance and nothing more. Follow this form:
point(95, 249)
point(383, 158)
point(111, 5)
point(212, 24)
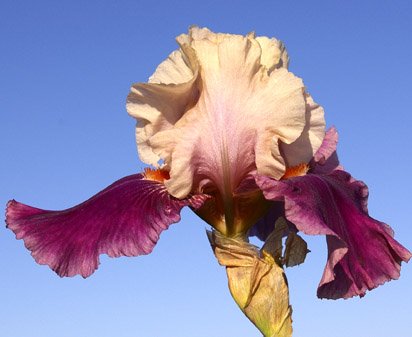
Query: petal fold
point(125, 219)
point(326, 159)
point(311, 138)
point(274, 53)
point(362, 253)
point(221, 107)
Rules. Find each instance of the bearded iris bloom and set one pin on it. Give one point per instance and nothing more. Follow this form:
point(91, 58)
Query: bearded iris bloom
point(231, 133)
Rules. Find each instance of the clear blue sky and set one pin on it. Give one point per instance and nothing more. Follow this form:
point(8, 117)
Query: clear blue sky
point(65, 71)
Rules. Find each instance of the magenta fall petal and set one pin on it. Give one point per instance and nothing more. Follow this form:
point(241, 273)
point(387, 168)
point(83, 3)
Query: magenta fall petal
point(124, 219)
point(362, 253)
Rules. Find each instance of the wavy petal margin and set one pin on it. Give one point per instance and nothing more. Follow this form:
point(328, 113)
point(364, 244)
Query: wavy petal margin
point(362, 253)
point(221, 107)
point(124, 219)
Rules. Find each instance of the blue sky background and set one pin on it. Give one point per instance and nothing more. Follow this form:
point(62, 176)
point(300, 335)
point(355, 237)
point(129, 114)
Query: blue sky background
point(65, 71)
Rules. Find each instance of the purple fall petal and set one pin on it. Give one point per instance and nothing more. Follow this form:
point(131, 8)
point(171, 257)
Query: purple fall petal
point(362, 253)
point(325, 161)
point(125, 219)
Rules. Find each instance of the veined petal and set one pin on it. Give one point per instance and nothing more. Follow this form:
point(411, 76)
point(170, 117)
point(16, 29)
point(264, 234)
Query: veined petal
point(125, 219)
point(362, 251)
point(241, 114)
point(247, 105)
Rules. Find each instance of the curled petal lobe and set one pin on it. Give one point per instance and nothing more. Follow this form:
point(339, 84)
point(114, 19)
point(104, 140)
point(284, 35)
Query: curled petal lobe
point(176, 69)
point(125, 219)
point(159, 104)
point(326, 159)
point(156, 108)
point(274, 53)
point(362, 253)
point(311, 138)
point(328, 147)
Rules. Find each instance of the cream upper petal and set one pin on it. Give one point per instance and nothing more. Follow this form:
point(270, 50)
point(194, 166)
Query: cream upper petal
point(274, 54)
point(303, 149)
point(232, 105)
point(175, 69)
point(159, 104)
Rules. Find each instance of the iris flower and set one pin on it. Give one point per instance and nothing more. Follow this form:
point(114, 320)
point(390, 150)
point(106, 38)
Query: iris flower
point(228, 131)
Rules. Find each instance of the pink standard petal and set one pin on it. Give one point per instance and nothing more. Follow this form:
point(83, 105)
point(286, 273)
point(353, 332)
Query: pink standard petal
point(325, 159)
point(362, 253)
point(328, 147)
point(125, 219)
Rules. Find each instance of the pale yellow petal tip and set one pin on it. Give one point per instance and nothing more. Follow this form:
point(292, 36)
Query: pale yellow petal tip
point(273, 51)
point(274, 54)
